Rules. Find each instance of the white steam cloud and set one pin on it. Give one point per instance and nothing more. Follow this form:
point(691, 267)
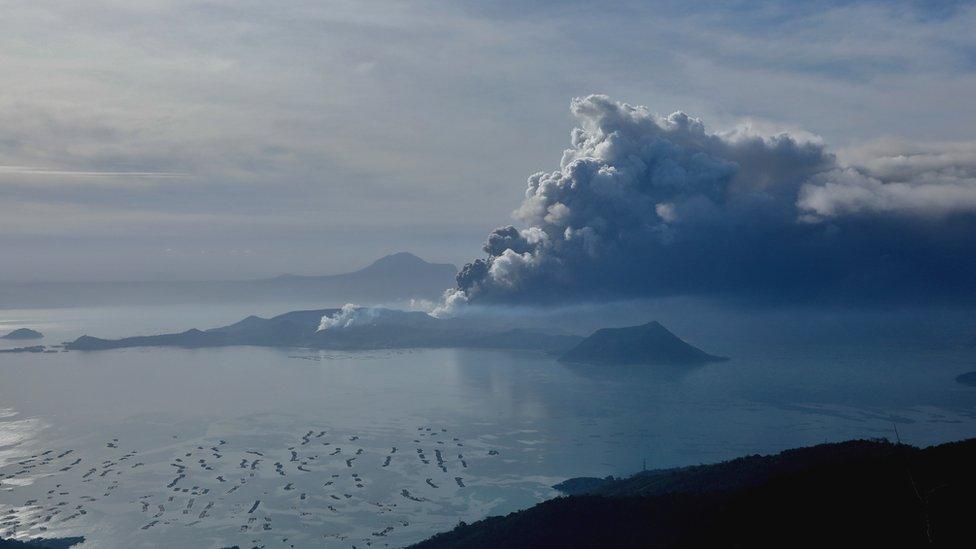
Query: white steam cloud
point(354, 316)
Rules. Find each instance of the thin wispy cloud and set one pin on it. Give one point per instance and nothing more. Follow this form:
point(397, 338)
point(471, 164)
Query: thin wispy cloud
point(29, 170)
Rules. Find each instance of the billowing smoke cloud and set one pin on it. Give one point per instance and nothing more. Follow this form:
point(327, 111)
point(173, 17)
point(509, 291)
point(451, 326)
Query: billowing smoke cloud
point(643, 205)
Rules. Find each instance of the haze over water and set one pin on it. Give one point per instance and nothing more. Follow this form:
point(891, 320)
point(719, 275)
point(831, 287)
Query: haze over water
point(520, 422)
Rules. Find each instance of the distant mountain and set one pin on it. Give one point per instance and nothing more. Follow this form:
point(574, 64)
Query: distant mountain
point(649, 344)
point(23, 333)
point(396, 277)
point(404, 264)
point(365, 328)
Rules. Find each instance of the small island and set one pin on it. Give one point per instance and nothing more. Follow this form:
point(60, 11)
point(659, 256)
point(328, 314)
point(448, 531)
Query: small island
point(647, 344)
point(41, 543)
point(23, 333)
point(31, 349)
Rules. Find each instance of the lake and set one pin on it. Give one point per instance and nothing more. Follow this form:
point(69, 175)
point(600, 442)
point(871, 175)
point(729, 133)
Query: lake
point(291, 447)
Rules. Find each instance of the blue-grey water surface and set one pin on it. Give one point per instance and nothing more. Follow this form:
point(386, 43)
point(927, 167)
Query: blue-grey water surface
point(216, 447)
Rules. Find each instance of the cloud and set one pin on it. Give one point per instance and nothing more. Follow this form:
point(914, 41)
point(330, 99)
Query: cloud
point(388, 116)
point(903, 161)
point(849, 191)
point(935, 179)
point(645, 205)
point(29, 170)
point(354, 316)
point(349, 315)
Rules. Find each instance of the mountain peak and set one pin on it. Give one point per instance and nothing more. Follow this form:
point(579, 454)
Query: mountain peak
point(649, 343)
point(399, 262)
point(23, 333)
point(389, 265)
point(398, 259)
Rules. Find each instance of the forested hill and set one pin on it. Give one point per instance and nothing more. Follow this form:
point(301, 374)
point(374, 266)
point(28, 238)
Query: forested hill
point(851, 494)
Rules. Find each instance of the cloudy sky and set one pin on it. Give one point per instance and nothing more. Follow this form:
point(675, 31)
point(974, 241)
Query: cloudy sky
point(178, 139)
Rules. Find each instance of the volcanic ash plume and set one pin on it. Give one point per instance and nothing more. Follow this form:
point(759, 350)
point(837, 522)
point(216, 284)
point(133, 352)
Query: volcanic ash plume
point(644, 205)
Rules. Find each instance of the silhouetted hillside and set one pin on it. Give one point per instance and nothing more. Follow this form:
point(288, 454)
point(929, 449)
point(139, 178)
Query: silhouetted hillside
point(734, 474)
point(649, 343)
point(852, 494)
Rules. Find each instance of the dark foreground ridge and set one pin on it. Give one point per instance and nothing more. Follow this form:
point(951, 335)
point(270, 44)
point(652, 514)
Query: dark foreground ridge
point(40, 543)
point(23, 333)
point(862, 493)
point(650, 344)
point(386, 329)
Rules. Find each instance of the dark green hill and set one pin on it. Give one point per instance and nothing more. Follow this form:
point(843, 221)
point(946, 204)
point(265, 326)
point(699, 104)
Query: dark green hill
point(650, 343)
point(23, 333)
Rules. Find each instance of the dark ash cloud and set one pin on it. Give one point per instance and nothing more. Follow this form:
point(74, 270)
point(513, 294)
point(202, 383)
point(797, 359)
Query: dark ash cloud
point(643, 206)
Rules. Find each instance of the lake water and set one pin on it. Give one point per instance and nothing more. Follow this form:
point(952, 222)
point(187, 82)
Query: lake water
point(276, 447)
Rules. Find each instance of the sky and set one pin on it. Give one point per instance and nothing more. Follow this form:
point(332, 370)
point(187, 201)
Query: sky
point(173, 140)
